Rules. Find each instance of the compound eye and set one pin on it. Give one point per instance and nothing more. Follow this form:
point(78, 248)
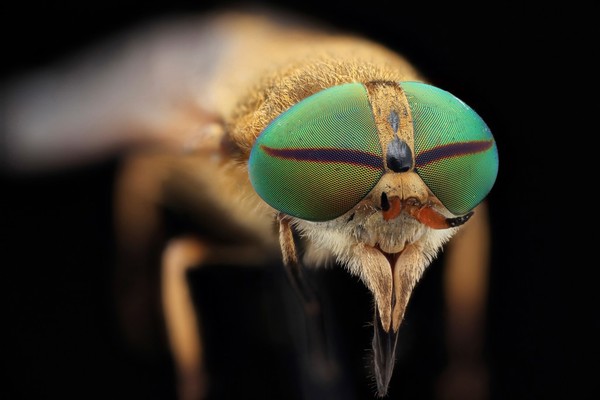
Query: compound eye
point(455, 153)
point(321, 157)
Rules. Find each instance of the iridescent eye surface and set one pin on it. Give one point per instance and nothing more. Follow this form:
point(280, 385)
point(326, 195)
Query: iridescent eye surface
point(321, 157)
point(455, 152)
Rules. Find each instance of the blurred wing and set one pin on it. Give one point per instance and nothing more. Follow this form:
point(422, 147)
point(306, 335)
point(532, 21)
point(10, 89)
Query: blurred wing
point(149, 88)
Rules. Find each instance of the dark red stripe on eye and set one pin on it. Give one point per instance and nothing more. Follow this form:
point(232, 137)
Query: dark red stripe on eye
point(452, 150)
point(327, 155)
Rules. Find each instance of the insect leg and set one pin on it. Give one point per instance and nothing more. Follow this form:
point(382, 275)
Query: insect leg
point(185, 338)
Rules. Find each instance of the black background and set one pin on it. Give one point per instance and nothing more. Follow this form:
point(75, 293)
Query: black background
point(528, 73)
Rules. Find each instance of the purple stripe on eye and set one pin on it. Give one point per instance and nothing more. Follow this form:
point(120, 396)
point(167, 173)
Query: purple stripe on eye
point(452, 150)
point(327, 155)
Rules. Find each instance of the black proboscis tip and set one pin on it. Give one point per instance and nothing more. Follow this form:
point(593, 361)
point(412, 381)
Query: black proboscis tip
point(384, 354)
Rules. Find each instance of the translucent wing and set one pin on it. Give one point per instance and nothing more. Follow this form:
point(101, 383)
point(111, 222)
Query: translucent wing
point(151, 87)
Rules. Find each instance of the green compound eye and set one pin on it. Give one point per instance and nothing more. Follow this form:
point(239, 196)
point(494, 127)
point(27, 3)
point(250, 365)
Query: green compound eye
point(321, 157)
point(455, 152)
